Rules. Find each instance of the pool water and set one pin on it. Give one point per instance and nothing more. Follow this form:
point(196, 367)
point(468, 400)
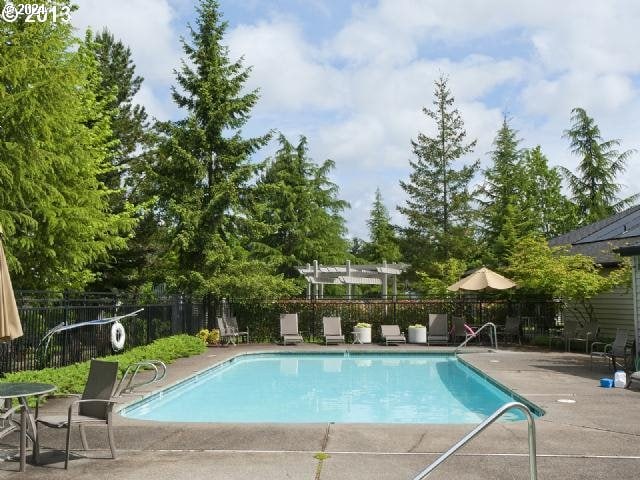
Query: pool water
point(333, 387)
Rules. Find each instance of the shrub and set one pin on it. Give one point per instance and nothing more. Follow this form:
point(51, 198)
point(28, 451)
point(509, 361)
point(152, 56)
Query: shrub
point(203, 335)
point(363, 325)
point(213, 336)
point(71, 379)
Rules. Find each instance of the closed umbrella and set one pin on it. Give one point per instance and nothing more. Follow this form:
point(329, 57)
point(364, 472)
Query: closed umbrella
point(10, 327)
point(482, 279)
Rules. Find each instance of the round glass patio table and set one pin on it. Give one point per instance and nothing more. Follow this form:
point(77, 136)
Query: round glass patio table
point(22, 391)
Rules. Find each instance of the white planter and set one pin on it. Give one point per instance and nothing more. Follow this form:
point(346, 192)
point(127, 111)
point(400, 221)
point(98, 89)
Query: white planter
point(418, 335)
point(362, 335)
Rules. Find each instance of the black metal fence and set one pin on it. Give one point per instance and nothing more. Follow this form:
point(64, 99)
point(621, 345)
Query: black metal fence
point(262, 318)
point(41, 311)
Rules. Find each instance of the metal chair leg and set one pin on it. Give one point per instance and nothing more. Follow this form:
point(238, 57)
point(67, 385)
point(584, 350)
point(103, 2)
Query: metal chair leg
point(66, 458)
point(83, 437)
point(112, 443)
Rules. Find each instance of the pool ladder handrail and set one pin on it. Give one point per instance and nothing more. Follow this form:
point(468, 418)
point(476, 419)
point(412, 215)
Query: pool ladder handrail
point(160, 370)
point(533, 469)
point(494, 337)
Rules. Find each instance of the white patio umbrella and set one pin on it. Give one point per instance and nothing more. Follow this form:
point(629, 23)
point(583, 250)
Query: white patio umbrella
point(10, 326)
point(482, 279)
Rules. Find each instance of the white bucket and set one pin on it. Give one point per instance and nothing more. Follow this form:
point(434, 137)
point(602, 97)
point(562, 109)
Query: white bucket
point(620, 379)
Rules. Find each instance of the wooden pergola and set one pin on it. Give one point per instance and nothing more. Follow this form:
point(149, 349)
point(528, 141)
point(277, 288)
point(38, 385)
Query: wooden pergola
point(318, 276)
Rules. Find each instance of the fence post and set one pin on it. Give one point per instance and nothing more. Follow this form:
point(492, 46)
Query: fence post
point(176, 315)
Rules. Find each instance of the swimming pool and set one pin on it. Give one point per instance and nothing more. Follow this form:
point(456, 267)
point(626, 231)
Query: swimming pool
point(331, 387)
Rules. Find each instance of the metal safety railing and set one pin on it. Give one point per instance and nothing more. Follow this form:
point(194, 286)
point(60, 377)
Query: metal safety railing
point(126, 383)
point(493, 335)
point(533, 469)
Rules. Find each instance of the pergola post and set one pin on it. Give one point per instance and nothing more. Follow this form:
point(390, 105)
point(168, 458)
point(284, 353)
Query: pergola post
point(384, 280)
point(348, 275)
point(315, 276)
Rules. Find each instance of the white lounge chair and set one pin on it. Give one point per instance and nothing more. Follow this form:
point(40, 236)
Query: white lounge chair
point(392, 334)
point(289, 328)
point(332, 330)
point(438, 328)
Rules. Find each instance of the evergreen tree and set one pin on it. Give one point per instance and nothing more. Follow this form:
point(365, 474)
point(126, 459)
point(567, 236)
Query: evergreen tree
point(438, 209)
point(118, 85)
point(55, 142)
point(502, 214)
point(550, 212)
point(126, 268)
point(202, 169)
point(594, 187)
point(383, 244)
point(296, 197)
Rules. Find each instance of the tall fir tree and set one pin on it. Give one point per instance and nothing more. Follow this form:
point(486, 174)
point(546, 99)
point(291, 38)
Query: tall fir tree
point(383, 244)
point(202, 169)
point(296, 198)
point(125, 269)
point(550, 212)
point(501, 212)
point(438, 209)
point(594, 185)
point(55, 143)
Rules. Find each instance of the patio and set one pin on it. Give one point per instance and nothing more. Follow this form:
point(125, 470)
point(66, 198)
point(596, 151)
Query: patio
point(598, 436)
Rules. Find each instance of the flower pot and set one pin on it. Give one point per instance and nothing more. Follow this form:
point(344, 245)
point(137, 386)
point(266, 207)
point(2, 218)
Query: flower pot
point(362, 334)
point(418, 335)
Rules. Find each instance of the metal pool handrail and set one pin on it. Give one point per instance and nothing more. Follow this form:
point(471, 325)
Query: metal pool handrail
point(135, 367)
point(533, 469)
point(494, 337)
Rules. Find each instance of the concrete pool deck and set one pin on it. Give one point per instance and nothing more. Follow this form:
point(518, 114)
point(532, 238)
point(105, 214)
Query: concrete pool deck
point(598, 436)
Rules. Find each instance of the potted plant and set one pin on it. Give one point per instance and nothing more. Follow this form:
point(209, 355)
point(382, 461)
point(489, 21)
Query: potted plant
point(417, 333)
point(362, 333)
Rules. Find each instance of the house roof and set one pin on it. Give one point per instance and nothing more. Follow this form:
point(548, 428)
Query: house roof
point(602, 239)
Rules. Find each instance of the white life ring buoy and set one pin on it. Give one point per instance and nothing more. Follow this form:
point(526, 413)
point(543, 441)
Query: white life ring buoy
point(118, 336)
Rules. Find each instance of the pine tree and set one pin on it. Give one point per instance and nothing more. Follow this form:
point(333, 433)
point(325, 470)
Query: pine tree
point(56, 137)
point(383, 244)
point(202, 169)
point(594, 187)
point(550, 212)
point(126, 268)
point(501, 212)
point(438, 209)
point(296, 197)
point(118, 85)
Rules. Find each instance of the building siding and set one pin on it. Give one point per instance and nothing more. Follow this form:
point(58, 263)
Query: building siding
point(612, 310)
point(636, 299)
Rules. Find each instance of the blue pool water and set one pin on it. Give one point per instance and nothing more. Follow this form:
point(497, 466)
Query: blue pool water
point(334, 387)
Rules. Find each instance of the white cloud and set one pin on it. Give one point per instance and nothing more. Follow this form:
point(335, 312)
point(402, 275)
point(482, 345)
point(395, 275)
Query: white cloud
point(285, 68)
point(358, 92)
point(143, 25)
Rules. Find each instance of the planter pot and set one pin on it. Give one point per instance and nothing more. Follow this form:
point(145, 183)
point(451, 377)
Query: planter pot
point(418, 335)
point(362, 334)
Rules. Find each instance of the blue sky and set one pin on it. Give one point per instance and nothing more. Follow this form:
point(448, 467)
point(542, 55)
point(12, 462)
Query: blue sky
point(353, 76)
